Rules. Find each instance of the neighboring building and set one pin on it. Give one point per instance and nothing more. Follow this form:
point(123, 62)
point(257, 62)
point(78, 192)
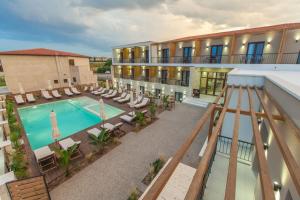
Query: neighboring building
point(36, 69)
point(96, 62)
point(198, 65)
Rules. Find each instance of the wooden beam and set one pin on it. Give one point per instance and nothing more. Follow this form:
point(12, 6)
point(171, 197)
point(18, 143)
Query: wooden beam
point(161, 181)
point(264, 175)
point(281, 45)
point(232, 168)
point(232, 48)
point(198, 178)
point(284, 149)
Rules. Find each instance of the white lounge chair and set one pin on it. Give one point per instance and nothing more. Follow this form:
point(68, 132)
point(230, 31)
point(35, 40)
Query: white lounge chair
point(30, 98)
point(85, 88)
point(68, 143)
point(101, 92)
point(97, 90)
point(132, 113)
point(74, 90)
point(128, 118)
point(68, 92)
point(108, 96)
point(45, 158)
point(136, 101)
point(108, 126)
point(91, 89)
point(120, 97)
point(56, 94)
point(143, 103)
point(19, 99)
point(107, 93)
point(46, 94)
point(124, 100)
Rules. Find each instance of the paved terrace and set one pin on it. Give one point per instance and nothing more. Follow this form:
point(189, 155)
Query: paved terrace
point(114, 175)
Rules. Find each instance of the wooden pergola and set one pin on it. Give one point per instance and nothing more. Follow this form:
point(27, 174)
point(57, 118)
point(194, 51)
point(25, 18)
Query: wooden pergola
point(198, 181)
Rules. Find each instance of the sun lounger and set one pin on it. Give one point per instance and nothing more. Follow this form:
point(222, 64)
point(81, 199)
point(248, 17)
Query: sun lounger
point(120, 97)
point(55, 94)
point(137, 101)
point(108, 93)
point(124, 100)
point(132, 113)
point(46, 94)
point(68, 92)
point(85, 88)
point(19, 99)
point(143, 103)
point(30, 98)
point(128, 118)
point(97, 90)
point(91, 89)
point(68, 143)
point(45, 158)
point(108, 126)
point(101, 92)
point(75, 91)
point(108, 96)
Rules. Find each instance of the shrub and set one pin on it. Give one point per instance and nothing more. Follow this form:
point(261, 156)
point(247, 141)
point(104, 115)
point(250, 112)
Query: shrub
point(101, 140)
point(140, 118)
point(152, 110)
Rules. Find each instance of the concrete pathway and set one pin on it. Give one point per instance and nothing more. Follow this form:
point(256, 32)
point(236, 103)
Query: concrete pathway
point(116, 174)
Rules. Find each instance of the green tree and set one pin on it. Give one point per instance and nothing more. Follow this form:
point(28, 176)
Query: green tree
point(165, 100)
point(140, 118)
point(101, 140)
point(64, 159)
point(152, 110)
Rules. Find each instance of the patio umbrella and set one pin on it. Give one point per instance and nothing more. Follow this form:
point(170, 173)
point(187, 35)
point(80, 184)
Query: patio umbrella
point(69, 81)
point(55, 130)
point(49, 85)
point(21, 89)
point(101, 110)
point(131, 98)
point(107, 84)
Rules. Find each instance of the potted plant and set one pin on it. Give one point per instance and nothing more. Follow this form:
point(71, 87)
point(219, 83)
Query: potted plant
point(152, 110)
point(140, 119)
point(64, 158)
point(101, 140)
point(165, 101)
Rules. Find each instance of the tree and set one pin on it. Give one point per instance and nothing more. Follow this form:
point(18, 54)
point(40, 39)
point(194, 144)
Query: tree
point(101, 140)
point(65, 157)
point(152, 110)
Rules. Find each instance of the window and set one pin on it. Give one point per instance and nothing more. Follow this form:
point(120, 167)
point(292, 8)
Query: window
point(157, 93)
point(255, 52)
point(65, 80)
point(128, 86)
point(298, 60)
point(216, 53)
point(185, 77)
point(55, 81)
point(132, 56)
point(147, 55)
point(178, 96)
point(142, 89)
point(165, 56)
point(71, 62)
point(74, 79)
point(1, 67)
point(187, 54)
point(164, 76)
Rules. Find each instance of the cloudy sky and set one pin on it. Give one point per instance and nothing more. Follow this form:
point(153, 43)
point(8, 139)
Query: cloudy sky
point(92, 27)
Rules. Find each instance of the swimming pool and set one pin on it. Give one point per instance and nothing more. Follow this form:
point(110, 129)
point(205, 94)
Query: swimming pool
point(73, 115)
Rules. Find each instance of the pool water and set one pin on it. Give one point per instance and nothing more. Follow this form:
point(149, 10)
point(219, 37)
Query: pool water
point(73, 115)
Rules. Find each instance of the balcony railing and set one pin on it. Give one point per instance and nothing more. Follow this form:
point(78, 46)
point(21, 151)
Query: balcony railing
point(267, 58)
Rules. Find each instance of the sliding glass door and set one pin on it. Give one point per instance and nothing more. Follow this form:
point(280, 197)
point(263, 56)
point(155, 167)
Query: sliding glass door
point(255, 52)
point(187, 54)
point(216, 53)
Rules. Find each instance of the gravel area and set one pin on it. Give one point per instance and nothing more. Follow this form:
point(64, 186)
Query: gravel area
point(114, 176)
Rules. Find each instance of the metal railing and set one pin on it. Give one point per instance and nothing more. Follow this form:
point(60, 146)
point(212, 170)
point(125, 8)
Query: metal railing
point(245, 149)
point(266, 58)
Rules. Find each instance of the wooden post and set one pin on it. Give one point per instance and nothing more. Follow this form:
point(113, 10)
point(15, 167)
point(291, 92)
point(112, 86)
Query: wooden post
point(280, 50)
point(232, 48)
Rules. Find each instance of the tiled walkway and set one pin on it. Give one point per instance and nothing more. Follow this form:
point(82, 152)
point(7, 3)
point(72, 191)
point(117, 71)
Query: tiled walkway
point(116, 174)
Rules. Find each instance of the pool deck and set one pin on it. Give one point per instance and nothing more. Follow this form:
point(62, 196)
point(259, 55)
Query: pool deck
point(114, 175)
point(85, 147)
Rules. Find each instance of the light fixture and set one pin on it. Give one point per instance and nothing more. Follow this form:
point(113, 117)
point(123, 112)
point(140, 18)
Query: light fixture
point(259, 121)
point(207, 46)
point(266, 146)
point(276, 186)
point(269, 43)
point(297, 40)
point(244, 44)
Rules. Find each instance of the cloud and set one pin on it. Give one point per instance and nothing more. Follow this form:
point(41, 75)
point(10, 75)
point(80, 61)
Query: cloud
point(94, 26)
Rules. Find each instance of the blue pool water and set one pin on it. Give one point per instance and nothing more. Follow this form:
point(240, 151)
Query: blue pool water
point(72, 115)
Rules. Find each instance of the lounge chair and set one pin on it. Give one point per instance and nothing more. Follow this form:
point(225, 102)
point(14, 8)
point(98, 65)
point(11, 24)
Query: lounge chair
point(124, 100)
point(19, 99)
point(68, 92)
point(75, 91)
point(100, 92)
point(85, 89)
point(46, 94)
point(56, 94)
point(137, 101)
point(120, 97)
point(108, 96)
point(132, 113)
point(143, 103)
point(91, 89)
point(130, 117)
point(97, 90)
point(107, 93)
point(45, 158)
point(30, 98)
point(108, 126)
point(68, 143)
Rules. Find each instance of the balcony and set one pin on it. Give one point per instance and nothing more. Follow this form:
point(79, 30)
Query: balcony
point(131, 60)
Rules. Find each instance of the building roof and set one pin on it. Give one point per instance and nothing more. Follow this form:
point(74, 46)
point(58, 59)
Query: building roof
point(238, 32)
point(41, 52)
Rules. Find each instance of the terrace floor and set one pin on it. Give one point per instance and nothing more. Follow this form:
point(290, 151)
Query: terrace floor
point(118, 172)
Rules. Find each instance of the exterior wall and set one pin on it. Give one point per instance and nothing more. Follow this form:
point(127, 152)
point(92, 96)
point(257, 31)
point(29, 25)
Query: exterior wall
point(35, 72)
point(291, 45)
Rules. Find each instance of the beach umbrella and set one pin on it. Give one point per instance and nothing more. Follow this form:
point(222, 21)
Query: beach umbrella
point(55, 130)
point(131, 98)
point(107, 84)
point(69, 81)
point(21, 89)
point(101, 110)
point(49, 85)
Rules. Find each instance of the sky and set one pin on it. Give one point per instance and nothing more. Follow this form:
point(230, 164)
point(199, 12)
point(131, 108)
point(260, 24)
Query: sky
point(93, 27)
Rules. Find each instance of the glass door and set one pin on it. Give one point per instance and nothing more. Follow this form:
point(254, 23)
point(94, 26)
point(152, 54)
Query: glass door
point(216, 53)
point(147, 75)
point(132, 56)
point(147, 56)
point(185, 77)
point(255, 52)
point(165, 56)
point(132, 73)
point(212, 83)
point(164, 76)
point(187, 54)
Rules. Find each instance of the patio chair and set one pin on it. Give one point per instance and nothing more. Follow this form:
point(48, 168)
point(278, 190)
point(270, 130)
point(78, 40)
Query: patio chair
point(46, 94)
point(128, 118)
point(85, 89)
point(137, 101)
point(68, 143)
point(108, 126)
point(132, 113)
point(30, 98)
point(68, 92)
point(75, 91)
point(101, 92)
point(143, 103)
point(120, 97)
point(107, 93)
point(19, 99)
point(45, 158)
point(91, 88)
point(108, 96)
point(97, 90)
point(124, 100)
point(56, 94)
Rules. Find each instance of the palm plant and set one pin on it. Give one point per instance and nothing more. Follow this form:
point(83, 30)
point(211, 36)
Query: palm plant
point(65, 157)
point(152, 110)
point(101, 140)
point(140, 118)
point(165, 101)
